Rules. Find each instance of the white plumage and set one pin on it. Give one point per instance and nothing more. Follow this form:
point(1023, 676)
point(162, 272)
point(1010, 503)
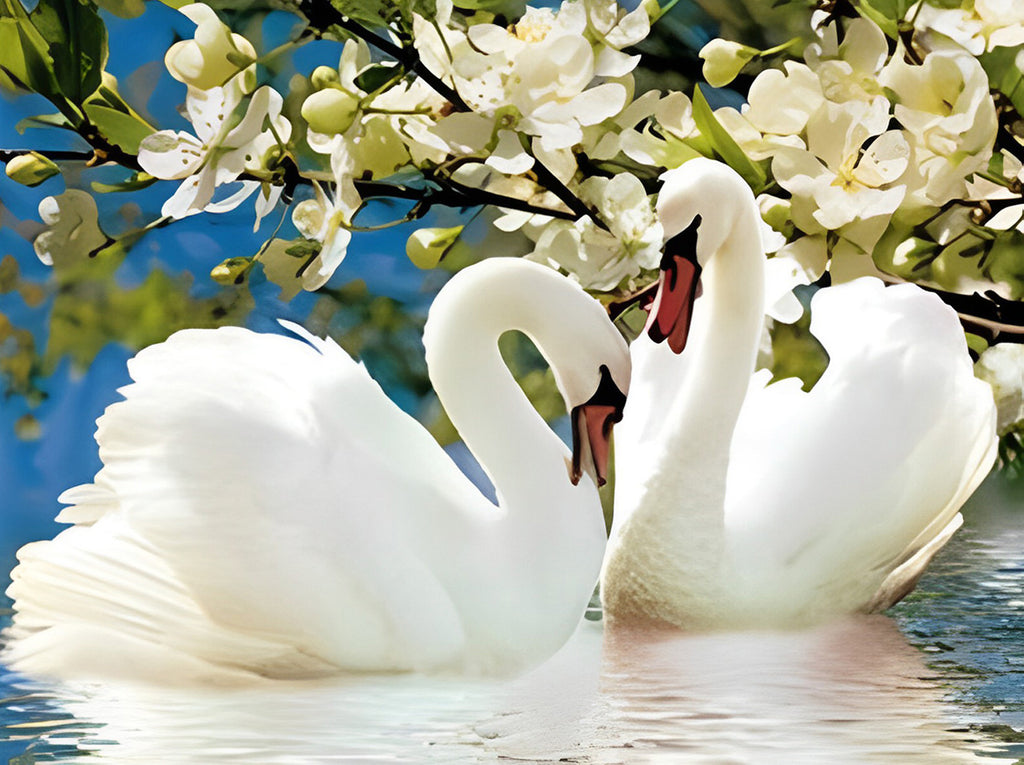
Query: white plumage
point(742, 505)
point(263, 508)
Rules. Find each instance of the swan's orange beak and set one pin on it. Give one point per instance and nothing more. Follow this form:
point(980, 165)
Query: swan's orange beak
point(678, 288)
point(595, 419)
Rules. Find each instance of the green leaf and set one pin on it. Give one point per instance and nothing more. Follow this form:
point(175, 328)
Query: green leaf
point(885, 13)
point(374, 77)
point(125, 9)
point(1004, 74)
point(134, 182)
point(425, 247)
point(724, 145)
point(44, 120)
point(24, 58)
point(124, 130)
point(176, 4)
point(510, 9)
point(77, 41)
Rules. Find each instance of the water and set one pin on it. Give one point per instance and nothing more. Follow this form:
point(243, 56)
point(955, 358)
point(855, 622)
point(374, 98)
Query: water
point(939, 680)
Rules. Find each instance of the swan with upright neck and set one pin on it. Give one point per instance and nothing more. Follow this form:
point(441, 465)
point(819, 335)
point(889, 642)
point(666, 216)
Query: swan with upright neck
point(740, 504)
point(264, 509)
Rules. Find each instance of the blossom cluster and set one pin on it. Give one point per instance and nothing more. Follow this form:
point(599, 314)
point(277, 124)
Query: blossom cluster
point(869, 148)
point(530, 98)
point(876, 144)
point(857, 136)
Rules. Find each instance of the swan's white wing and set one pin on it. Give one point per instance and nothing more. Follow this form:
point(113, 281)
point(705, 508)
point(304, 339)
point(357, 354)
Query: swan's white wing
point(286, 495)
point(830, 491)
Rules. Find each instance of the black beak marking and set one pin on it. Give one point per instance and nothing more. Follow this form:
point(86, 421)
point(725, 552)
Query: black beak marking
point(596, 417)
point(678, 288)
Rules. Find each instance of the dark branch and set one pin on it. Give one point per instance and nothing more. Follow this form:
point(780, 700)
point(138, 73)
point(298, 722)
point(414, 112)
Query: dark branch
point(447, 194)
point(560, 190)
point(322, 15)
point(989, 315)
point(102, 152)
point(451, 194)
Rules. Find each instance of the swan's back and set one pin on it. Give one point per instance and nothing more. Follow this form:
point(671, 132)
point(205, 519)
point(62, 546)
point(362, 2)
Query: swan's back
point(262, 505)
point(829, 492)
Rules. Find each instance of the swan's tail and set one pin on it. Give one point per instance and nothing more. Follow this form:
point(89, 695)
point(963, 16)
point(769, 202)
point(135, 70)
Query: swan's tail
point(902, 580)
point(96, 602)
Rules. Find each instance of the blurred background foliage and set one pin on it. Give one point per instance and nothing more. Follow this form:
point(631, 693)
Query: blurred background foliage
point(138, 284)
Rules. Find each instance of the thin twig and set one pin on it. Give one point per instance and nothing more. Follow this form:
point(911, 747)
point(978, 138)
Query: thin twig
point(976, 309)
point(323, 15)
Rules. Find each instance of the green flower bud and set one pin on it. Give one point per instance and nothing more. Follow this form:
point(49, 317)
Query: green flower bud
point(31, 169)
point(426, 246)
point(324, 77)
point(231, 271)
point(330, 111)
point(723, 60)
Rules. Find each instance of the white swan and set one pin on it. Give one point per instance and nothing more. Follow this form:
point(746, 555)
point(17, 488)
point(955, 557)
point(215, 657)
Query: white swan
point(264, 508)
point(739, 505)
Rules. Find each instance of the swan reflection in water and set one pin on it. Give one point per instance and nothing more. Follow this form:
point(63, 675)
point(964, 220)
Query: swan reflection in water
point(850, 692)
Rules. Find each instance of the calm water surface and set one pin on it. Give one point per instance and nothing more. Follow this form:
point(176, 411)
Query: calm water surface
point(939, 680)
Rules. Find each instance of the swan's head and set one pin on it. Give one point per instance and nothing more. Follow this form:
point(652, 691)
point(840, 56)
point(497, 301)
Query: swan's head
point(587, 354)
point(592, 423)
point(591, 363)
point(699, 206)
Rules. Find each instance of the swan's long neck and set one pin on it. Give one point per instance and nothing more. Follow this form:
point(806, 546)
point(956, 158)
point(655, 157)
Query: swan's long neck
point(669, 524)
point(724, 342)
point(539, 553)
point(521, 455)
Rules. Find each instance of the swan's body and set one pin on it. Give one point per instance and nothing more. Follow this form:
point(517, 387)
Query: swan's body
point(740, 505)
point(265, 508)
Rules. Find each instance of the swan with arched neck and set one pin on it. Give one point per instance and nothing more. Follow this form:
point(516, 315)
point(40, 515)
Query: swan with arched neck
point(265, 510)
point(742, 504)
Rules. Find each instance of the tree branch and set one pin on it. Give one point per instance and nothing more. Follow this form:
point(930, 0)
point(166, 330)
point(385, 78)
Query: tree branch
point(322, 15)
point(990, 312)
point(451, 194)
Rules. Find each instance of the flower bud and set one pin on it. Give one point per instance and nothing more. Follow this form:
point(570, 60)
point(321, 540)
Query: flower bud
point(231, 271)
point(324, 77)
point(216, 55)
point(426, 246)
point(723, 60)
point(330, 111)
point(31, 169)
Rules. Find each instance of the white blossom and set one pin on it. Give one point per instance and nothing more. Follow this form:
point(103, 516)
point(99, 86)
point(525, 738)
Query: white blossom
point(545, 76)
point(602, 259)
point(215, 58)
point(224, 146)
point(947, 110)
point(849, 70)
point(978, 26)
point(1002, 367)
point(849, 171)
point(777, 111)
point(323, 219)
